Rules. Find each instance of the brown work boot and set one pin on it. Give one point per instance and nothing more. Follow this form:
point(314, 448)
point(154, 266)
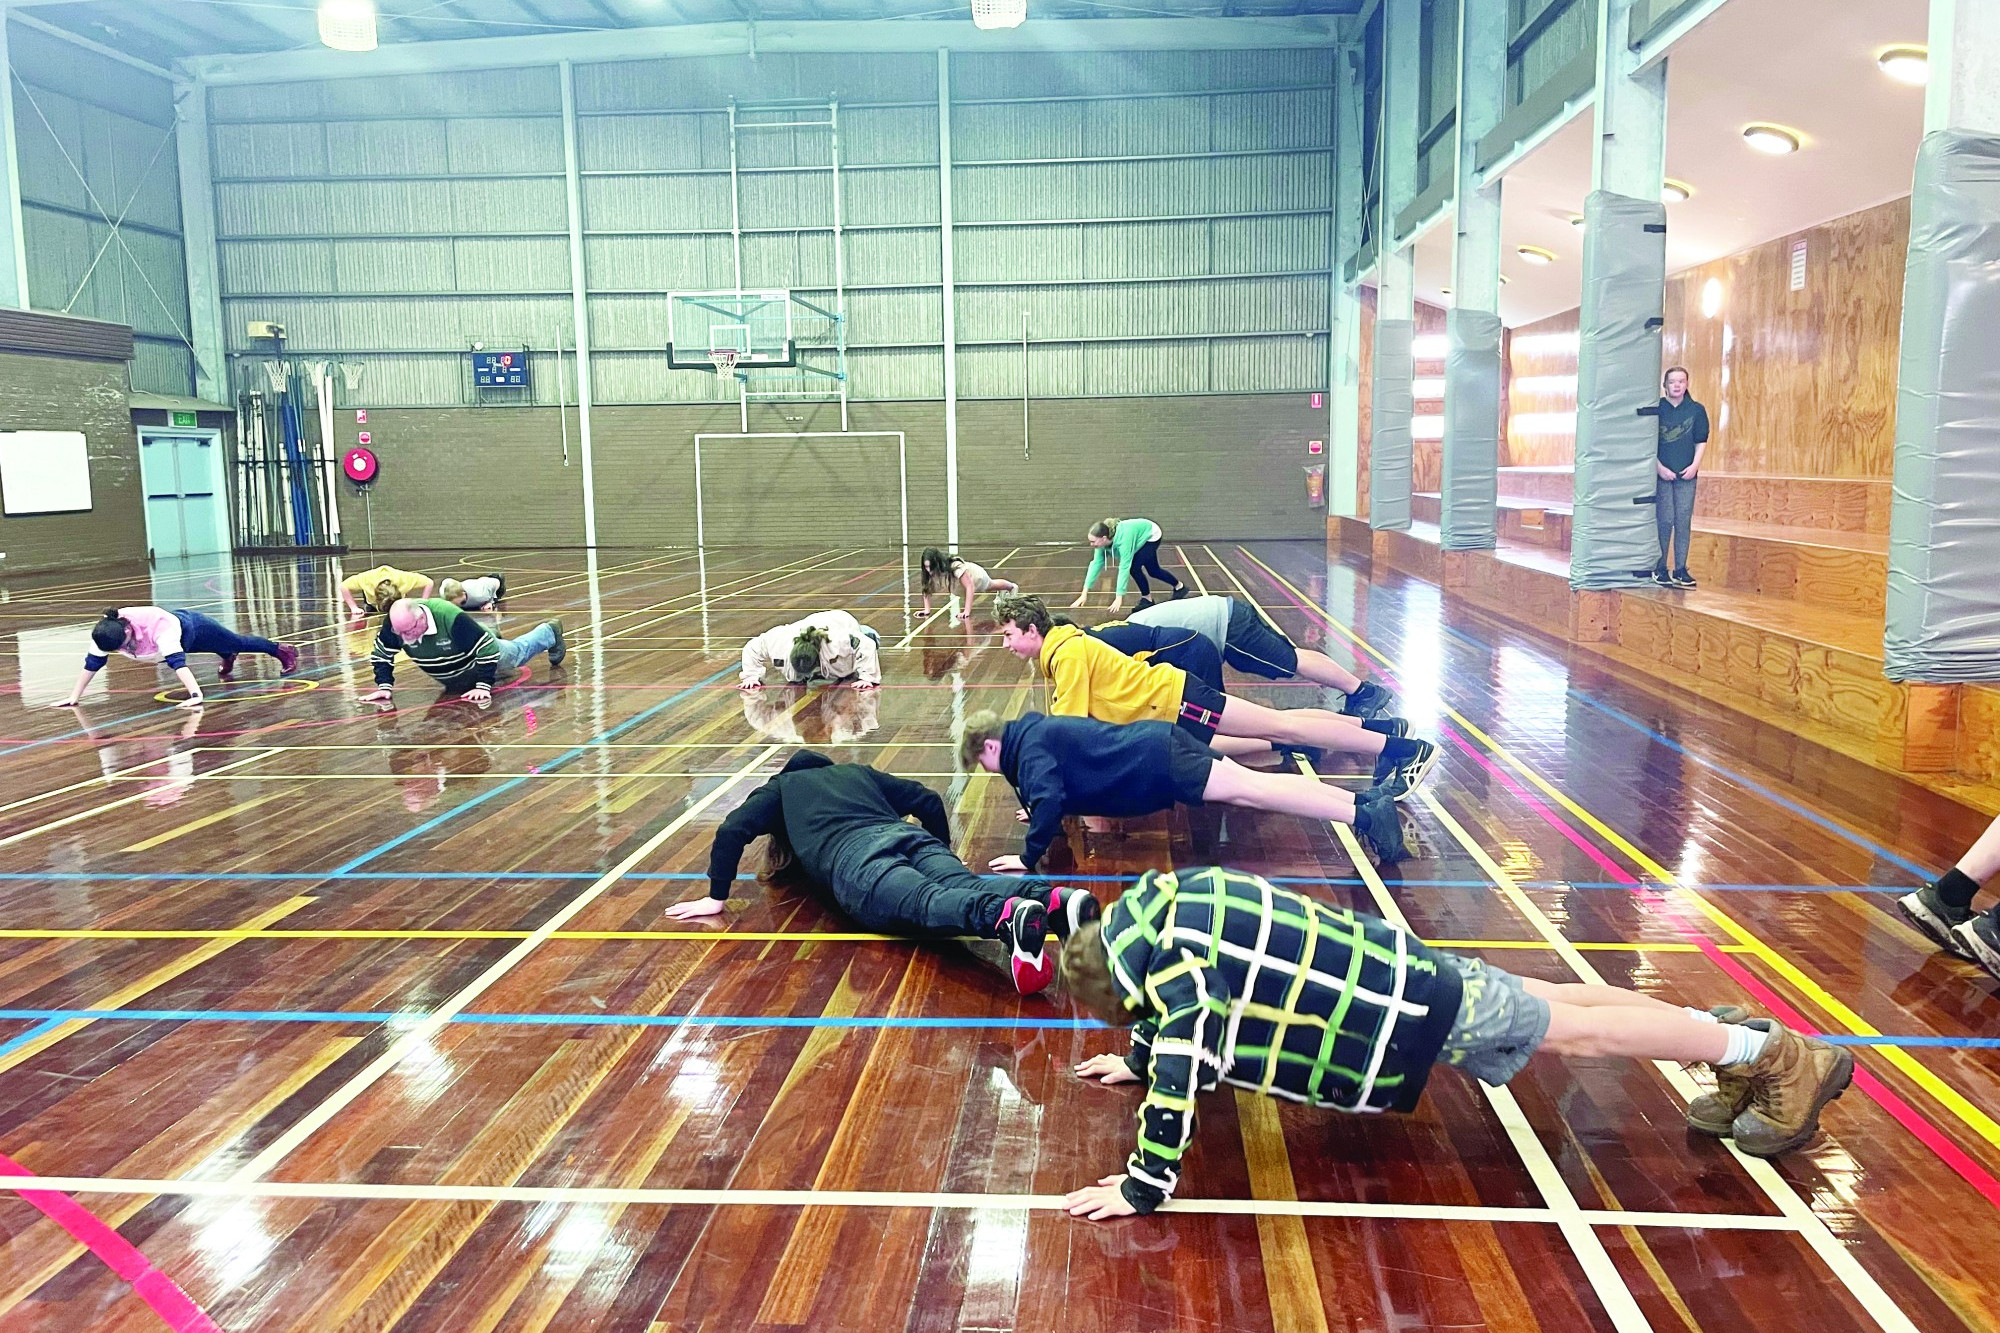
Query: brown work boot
point(1714, 1113)
point(1789, 1083)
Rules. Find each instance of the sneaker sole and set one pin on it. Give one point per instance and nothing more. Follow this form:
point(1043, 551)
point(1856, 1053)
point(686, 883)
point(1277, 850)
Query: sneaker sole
point(1976, 950)
point(1836, 1082)
point(1935, 928)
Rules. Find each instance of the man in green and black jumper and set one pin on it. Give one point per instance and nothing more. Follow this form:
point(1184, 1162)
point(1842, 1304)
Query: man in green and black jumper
point(1225, 978)
point(454, 648)
point(1683, 440)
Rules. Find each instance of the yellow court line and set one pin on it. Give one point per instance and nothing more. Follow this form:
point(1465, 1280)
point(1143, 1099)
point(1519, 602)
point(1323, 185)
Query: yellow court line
point(1946, 1096)
point(97, 810)
point(766, 936)
point(196, 825)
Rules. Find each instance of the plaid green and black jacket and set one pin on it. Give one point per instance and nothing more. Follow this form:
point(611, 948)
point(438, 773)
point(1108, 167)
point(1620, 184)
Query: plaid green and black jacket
point(1237, 981)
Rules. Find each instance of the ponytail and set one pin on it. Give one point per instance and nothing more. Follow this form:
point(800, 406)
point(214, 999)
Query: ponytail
point(1105, 528)
point(110, 633)
point(805, 656)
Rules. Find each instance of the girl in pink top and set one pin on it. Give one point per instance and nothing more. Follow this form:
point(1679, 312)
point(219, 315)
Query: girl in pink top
point(150, 634)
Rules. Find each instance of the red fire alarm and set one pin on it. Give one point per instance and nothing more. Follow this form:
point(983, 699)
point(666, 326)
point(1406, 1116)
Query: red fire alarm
point(360, 466)
point(1318, 401)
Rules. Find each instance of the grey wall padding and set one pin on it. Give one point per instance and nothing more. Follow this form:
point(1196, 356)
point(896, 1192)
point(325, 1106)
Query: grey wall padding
point(1390, 405)
point(1614, 542)
point(1471, 429)
point(1943, 621)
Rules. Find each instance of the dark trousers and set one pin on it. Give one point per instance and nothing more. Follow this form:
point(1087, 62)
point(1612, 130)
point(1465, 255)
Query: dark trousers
point(1146, 560)
point(200, 634)
point(899, 880)
point(1673, 507)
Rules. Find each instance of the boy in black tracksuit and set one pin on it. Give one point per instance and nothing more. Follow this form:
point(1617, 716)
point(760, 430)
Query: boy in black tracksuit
point(844, 828)
point(1171, 644)
point(1079, 766)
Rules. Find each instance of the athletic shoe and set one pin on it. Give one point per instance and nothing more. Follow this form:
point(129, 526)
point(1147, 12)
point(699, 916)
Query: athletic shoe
point(1404, 778)
point(1395, 728)
point(1380, 826)
point(228, 671)
point(1980, 938)
point(288, 659)
point(1024, 928)
point(1369, 701)
point(1931, 914)
point(561, 650)
point(500, 592)
point(1714, 1113)
point(1071, 909)
point(1143, 604)
point(1180, 590)
point(1790, 1080)
point(1664, 579)
point(1682, 579)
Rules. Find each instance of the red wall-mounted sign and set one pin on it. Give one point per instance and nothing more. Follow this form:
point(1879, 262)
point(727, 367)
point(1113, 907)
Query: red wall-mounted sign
point(360, 466)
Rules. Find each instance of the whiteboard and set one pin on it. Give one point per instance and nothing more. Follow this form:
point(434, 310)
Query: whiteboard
point(44, 472)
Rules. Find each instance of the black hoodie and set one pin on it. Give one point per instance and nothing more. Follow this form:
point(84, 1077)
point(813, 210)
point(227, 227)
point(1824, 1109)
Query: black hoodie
point(815, 803)
point(1079, 766)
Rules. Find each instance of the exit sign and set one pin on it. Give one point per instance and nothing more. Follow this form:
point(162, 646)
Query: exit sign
point(185, 419)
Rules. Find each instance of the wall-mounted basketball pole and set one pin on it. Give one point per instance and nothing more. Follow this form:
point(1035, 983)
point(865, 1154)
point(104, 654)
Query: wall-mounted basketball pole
point(579, 302)
point(946, 264)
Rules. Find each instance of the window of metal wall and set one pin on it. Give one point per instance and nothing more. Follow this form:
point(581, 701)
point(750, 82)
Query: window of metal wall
point(1545, 36)
point(1437, 90)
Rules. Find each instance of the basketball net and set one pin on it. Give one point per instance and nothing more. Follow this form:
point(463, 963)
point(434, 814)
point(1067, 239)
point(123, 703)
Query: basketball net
point(275, 375)
point(350, 376)
point(724, 360)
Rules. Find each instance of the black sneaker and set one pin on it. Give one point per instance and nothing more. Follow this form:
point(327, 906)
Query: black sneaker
point(1980, 939)
point(1664, 579)
point(1071, 909)
point(500, 590)
point(1180, 591)
point(1380, 826)
point(1937, 918)
point(561, 650)
point(1682, 579)
point(1143, 604)
point(1410, 774)
point(1024, 928)
point(1395, 728)
point(1369, 701)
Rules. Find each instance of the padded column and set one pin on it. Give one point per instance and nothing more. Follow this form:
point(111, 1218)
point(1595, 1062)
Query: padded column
point(1615, 543)
point(1943, 622)
point(1471, 430)
point(1390, 398)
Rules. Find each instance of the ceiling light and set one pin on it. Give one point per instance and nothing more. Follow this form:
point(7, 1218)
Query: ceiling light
point(1444, 291)
point(1906, 64)
point(347, 25)
point(1576, 220)
point(1775, 140)
point(1535, 254)
point(1503, 279)
point(999, 13)
point(1675, 192)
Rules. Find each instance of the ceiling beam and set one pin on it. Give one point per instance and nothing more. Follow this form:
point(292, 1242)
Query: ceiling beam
point(708, 39)
point(63, 34)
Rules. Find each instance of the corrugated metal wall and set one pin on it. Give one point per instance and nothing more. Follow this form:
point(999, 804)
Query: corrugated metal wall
point(96, 141)
point(1160, 217)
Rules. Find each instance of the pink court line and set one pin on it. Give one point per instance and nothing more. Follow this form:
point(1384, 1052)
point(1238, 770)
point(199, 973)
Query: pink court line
point(174, 1306)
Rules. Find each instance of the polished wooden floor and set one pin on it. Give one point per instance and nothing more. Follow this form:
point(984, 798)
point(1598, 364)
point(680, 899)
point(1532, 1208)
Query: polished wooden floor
point(315, 1018)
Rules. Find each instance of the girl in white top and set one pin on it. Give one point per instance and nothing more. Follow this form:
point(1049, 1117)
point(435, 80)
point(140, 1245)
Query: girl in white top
point(940, 571)
point(830, 645)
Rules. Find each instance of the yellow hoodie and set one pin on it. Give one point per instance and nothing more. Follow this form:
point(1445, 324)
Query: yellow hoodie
point(1090, 678)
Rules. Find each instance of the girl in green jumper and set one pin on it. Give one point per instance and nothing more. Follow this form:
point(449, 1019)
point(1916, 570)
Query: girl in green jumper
point(1136, 543)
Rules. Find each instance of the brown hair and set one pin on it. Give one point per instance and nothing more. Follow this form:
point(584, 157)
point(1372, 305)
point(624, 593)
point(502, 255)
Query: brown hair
point(805, 655)
point(980, 727)
point(1024, 610)
point(1086, 975)
point(778, 865)
point(1673, 370)
point(1105, 528)
point(936, 566)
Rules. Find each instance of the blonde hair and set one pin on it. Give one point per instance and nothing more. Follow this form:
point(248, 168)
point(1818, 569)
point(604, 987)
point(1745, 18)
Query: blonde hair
point(385, 594)
point(980, 727)
point(1085, 965)
point(452, 591)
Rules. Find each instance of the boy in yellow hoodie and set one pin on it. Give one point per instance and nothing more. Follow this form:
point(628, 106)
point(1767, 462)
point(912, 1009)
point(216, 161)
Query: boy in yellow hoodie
point(1090, 678)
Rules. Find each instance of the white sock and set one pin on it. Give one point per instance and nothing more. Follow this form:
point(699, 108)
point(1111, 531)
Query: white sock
point(1745, 1044)
point(1700, 1015)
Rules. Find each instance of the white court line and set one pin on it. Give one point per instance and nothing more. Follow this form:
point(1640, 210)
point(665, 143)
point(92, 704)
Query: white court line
point(1194, 573)
point(434, 1023)
point(1859, 1281)
point(113, 776)
point(584, 1194)
point(97, 810)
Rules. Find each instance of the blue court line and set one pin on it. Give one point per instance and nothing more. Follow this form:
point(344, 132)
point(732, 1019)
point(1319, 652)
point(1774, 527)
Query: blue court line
point(320, 876)
point(575, 752)
point(1749, 784)
point(52, 1017)
point(39, 1030)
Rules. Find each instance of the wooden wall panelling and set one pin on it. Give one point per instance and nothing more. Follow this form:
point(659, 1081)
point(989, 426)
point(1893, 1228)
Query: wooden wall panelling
point(1978, 737)
point(1853, 504)
point(1541, 395)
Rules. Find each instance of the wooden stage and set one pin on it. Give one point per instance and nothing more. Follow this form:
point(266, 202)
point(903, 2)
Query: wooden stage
point(313, 1018)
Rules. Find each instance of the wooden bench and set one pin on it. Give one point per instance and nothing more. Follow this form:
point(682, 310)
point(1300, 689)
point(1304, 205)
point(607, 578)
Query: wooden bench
point(1522, 518)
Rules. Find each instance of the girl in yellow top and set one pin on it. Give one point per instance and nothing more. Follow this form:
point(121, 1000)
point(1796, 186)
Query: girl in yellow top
point(379, 588)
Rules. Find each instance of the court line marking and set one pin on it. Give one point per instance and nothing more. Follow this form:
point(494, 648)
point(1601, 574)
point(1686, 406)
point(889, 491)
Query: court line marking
point(196, 825)
point(102, 778)
point(283, 1146)
point(1948, 1097)
point(584, 1194)
point(94, 811)
point(1859, 1282)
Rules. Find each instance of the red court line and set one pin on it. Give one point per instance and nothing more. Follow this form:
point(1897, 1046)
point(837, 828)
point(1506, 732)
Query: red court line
point(1961, 1162)
point(174, 1306)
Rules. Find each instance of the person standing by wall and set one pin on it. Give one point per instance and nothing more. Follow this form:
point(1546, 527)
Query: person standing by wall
point(1683, 440)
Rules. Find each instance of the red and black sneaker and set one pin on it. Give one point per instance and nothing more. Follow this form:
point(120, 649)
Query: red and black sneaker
point(288, 659)
point(1071, 909)
point(1024, 929)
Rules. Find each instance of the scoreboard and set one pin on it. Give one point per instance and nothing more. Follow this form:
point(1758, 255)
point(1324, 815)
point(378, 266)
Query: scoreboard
point(500, 370)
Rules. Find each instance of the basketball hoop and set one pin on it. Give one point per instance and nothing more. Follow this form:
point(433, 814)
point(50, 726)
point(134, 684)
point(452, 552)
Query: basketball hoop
point(350, 376)
point(724, 360)
point(275, 375)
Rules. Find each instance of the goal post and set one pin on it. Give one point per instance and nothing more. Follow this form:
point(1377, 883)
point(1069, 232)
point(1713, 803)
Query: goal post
point(720, 437)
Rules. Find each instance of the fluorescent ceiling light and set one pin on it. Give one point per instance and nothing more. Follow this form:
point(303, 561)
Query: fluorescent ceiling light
point(1772, 140)
point(1535, 254)
point(347, 25)
point(1576, 220)
point(1906, 64)
point(1675, 192)
point(999, 13)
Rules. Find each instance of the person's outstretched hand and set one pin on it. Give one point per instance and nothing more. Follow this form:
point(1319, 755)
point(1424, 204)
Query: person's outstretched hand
point(694, 909)
point(1099, 1202)
point(1106, 1069)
